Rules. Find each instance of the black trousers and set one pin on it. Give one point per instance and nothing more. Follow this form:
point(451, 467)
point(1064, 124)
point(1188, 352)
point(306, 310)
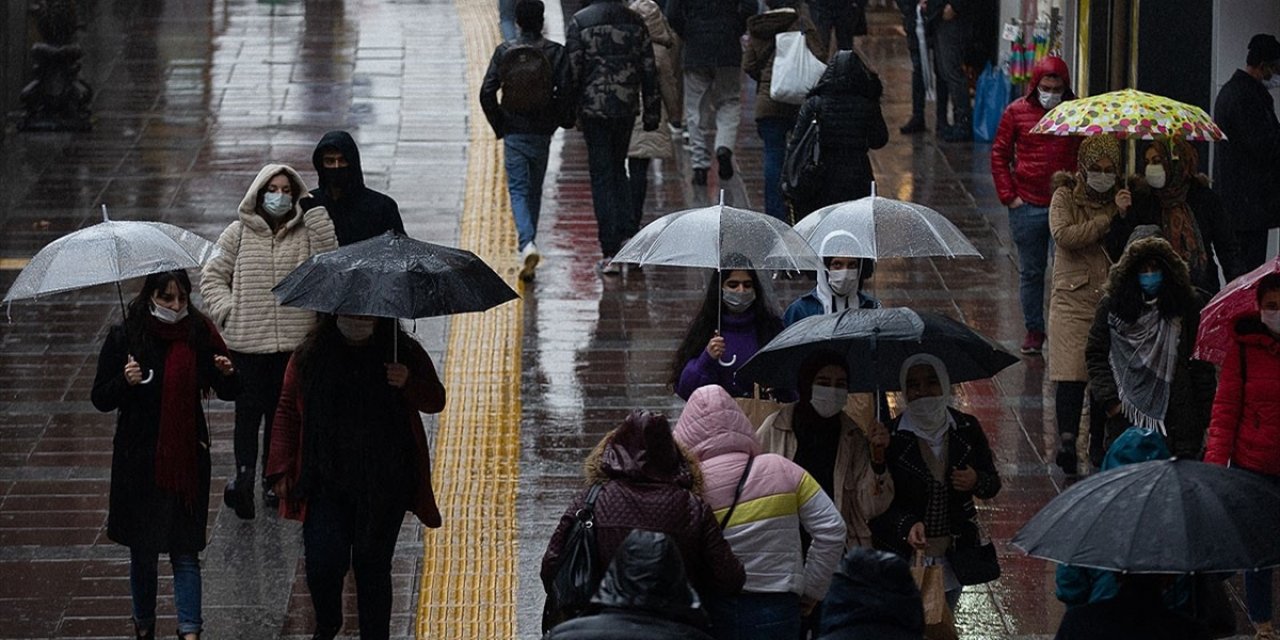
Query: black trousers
point(261, 376)
point(335, 539)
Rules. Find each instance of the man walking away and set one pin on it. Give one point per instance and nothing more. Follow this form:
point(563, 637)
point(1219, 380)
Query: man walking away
point(1022, 166)
point(712, 32)
point(612, 63)
point(916, 123)
point(1248, 168)
point(533, 76)
point(950, 22)
point(358, 212)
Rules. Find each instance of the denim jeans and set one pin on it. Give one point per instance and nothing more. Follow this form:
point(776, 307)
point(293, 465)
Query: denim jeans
point(755, 616)
point(261, 376)
point(525, 156)
point(143, 575)
point(335, 540)
point(1029, 225)
point(773, 132)
point(507, 19)
point(607, 142)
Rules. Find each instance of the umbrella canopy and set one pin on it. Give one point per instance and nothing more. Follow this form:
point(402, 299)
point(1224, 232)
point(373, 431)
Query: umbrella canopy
point(394, 276)
point(875, 227)
point(874, 343)
point(1217, 319)
point(1129, 114)
point(719, 237)
point(110, 251)
point(1163, 516)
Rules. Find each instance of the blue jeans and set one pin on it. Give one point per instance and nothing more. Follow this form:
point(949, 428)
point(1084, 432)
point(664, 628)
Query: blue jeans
point(525, 156)
point(755, 616)
point(334, 540)
point(773, 132)
point(1029, 225)
point(607, 142)
point(507, 19)
point(143, 574)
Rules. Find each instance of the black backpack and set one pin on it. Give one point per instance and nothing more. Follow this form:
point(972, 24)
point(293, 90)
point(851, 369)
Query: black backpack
point(802, 168)
point(527, 79)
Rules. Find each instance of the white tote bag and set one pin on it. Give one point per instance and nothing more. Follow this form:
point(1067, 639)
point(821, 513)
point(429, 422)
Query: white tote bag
point(795, 68)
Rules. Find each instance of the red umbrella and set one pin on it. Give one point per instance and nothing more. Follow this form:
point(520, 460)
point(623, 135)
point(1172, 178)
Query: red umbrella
point(1217, 319)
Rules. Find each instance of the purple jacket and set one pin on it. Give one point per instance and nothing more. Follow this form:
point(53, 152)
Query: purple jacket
point(739, 332)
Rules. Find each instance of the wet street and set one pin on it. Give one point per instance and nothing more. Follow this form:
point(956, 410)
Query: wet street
point(194, 96)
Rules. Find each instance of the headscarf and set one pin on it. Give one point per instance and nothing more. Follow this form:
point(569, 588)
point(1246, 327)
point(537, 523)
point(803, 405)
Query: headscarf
point(831, 302)
point(1093, 149)
point(1177, 221)
point(932, 426)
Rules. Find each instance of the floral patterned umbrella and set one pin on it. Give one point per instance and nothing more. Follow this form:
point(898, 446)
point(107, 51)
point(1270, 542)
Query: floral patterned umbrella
point(1129, 114)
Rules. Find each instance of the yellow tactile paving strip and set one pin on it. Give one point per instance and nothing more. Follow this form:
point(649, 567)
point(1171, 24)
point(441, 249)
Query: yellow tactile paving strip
point(469, 567)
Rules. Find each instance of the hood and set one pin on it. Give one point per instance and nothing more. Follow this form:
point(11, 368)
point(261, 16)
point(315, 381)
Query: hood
point(643, 450)
point(1135, 445)
point(1049, 66)
point(648, 574)
point(848, 74)
point(770, 23)
point(1177, 294)
point(342, 141)
point(874, 588)
point(713, 424)
point(248, 210)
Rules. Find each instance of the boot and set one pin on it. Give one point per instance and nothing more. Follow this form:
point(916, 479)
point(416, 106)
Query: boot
point(239, 494)
point(1067, 459)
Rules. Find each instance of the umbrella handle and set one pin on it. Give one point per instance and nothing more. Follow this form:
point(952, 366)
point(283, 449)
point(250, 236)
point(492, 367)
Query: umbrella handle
point(151, 375)
point(730, 362)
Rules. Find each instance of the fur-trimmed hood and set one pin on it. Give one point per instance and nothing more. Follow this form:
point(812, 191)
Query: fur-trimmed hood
point(1177, 294)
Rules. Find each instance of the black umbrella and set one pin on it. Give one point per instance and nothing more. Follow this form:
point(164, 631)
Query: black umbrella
point(874, 343)
point(1163, 516)
point(394, 276)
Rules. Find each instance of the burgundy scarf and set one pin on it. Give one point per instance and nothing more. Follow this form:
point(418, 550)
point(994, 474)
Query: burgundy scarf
point(177, 445)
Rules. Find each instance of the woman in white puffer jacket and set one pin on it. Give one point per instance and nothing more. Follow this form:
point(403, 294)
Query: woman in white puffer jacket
point(276, 231)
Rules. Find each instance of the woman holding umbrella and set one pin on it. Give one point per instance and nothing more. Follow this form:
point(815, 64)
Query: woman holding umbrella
point(1244, 431)
point(735, 320)
point(349, 456)
point(152, 371)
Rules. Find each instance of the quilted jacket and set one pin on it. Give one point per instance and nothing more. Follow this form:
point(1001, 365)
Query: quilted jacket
point(1245, 427)
point(1022, 163)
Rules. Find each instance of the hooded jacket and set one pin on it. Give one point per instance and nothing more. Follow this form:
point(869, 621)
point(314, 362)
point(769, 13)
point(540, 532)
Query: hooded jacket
point(359, 213)
point(778, 498)
point(236, 283)
point(710, 29)
point(1248, 166)
point(1023, 163)
point(641, 493)
point(860, 493)
point(872, 597)
point(1192, 388)
point(1245, 428)
point(757, 58)
point(644, 595)
point(613, 65)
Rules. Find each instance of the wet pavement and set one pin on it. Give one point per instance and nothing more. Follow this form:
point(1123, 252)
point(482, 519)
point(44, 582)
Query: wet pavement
point(193, 97)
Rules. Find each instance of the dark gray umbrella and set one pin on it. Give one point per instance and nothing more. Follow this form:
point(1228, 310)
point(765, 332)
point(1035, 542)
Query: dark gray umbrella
point(1163, 516)
point(394, 276)
point(874, 343)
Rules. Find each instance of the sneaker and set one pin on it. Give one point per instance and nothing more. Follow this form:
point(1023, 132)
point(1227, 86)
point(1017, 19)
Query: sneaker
point(699, 177)
point(529, 259)
point(914, 125)
point(1033, 344)
point(608, 267)
point(724, 163)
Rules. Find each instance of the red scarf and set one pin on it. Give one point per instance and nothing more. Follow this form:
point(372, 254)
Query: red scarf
point(178, 443)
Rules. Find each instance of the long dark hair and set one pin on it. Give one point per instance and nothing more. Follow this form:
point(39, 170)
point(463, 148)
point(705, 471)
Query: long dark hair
point(704, 324)
point(139, 311)
point(848, 74)
point(326, 337)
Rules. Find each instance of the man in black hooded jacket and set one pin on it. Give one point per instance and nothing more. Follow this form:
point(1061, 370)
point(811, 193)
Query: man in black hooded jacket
point(358, 212)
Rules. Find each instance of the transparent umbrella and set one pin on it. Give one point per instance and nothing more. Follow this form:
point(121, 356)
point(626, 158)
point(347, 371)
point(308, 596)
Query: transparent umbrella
point(110, 251)
point(875, 227)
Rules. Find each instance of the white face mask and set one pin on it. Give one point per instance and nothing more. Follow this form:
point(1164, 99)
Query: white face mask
point(356, 329)
point(167, 315)
point(1050, 100)
point(1155, 176)
point(277, 204)
point(1100, 181)
point(828, 401)
point(929, 412)
point(1271, 319)
point(738, 301)
point(843, 282)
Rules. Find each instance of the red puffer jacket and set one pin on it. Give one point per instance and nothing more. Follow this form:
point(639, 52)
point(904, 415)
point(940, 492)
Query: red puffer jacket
point(1245, 428)
point(1023, 164)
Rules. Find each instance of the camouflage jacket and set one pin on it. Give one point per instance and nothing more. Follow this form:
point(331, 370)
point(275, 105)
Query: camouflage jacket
point(612, 61)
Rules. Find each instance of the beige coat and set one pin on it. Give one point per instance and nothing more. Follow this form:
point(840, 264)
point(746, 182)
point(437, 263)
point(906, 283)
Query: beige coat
point(860, 493)
point(236, 285)
point(657, 144)
point(1080, 268)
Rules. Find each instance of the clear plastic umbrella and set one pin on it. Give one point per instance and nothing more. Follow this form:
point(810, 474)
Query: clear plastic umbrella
point(110, 251)
point(875, 227)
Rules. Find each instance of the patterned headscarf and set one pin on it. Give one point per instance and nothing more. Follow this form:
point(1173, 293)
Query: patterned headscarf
point(1094, 148)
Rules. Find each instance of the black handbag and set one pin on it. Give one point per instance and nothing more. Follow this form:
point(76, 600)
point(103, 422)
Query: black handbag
point(802, 168)
point(578, 575)
point(973, 559)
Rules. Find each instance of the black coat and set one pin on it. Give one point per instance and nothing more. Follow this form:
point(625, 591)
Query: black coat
point(967, 447)
point(142, 517)
point(710, 30)
point(1248, 166)
point(872, 597)
point(545, 122)
point(1132, 615)
point(360, 213)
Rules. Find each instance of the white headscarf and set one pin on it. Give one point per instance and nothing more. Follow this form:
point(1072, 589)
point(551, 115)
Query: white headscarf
point(831, 302)
point(928, 418)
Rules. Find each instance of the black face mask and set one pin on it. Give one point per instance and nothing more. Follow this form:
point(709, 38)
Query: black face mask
point(340, 177)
